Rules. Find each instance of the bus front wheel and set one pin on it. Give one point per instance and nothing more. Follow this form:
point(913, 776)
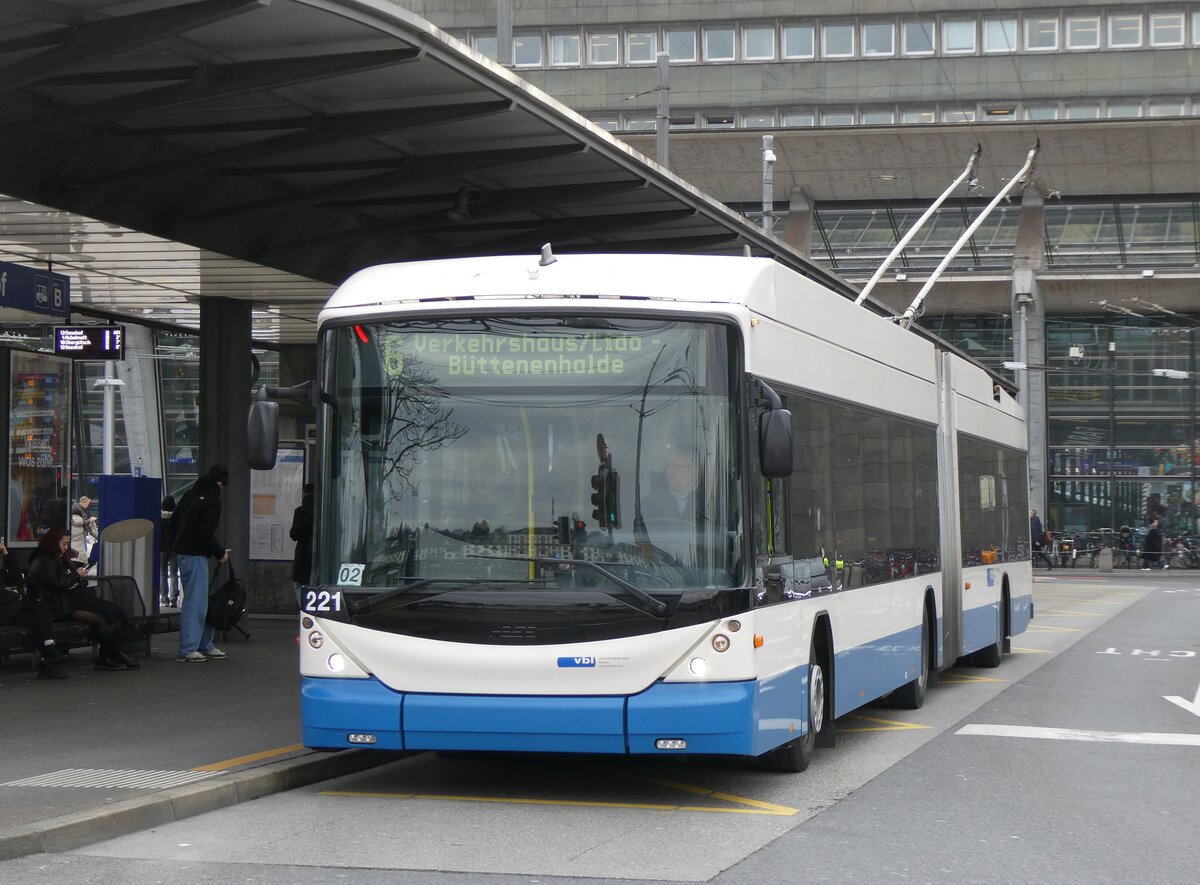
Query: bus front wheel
point(795, 755)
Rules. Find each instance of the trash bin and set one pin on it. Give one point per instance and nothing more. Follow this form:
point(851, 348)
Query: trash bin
point(127, 548)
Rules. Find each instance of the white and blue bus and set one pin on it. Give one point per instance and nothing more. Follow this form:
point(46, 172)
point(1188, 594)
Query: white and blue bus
point(645, 504)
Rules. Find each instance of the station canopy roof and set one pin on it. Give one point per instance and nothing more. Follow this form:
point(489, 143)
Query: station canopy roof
point(160, 151)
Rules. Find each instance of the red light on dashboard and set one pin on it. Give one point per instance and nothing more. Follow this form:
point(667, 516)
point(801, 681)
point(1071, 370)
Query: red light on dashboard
point(362, 334)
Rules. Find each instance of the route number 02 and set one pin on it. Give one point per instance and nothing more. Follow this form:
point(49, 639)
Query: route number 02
point(350, 574)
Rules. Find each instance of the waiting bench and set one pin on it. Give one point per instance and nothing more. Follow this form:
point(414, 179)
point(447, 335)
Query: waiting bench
point(124, 591)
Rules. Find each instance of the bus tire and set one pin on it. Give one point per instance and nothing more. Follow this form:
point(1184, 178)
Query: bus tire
point(912, 695)
point(994, 654)
point(795, 755)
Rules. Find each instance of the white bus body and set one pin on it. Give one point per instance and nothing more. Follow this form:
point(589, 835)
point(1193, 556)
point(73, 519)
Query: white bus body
point(438, 620)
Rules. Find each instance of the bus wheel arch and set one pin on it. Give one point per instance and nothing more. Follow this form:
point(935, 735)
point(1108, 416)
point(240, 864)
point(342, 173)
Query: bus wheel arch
point(992, 655)
point(796, 755)
point(911, 695)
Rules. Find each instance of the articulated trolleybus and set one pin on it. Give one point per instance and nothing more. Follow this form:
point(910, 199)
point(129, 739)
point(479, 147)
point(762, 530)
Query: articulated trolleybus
point(645, 504)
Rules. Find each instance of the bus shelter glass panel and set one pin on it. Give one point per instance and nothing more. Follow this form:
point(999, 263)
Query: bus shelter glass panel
point(39, 397)
point(467, 452)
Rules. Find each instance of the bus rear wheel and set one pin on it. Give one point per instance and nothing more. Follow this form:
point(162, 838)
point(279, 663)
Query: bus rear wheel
point(912, 695)
point(795, 755)
point(994, 654)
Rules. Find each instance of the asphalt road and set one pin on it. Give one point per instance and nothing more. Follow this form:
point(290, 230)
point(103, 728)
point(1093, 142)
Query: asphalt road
point(1068, 764)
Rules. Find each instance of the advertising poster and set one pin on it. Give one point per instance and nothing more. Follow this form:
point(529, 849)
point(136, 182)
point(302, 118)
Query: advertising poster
point(274, 496)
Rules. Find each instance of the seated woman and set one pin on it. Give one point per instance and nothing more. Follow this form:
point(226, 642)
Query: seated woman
point(19, 607)
point(59, 578)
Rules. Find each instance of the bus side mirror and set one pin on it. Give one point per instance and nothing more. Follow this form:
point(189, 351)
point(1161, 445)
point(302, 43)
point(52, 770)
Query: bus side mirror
point(775, 443)
point(262, 434)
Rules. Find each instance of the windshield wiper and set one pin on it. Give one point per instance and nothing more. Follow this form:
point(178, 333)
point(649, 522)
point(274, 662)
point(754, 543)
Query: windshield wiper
point(367, 600)
point(657, 606)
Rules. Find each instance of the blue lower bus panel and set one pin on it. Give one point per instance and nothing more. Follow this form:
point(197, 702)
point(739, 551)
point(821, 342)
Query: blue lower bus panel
point(719, 718)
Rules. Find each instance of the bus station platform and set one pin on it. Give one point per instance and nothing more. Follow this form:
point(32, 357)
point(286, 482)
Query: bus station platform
point(104, 753)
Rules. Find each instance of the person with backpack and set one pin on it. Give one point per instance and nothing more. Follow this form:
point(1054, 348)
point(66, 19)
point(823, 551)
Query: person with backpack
point(170, 581)
point(195, 523)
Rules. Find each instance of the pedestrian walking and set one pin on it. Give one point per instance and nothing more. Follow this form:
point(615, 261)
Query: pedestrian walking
point(1037, 539)
point(1152, 548)
point(195, 524)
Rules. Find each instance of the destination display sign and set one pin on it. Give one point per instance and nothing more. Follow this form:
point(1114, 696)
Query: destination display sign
point(90, 342)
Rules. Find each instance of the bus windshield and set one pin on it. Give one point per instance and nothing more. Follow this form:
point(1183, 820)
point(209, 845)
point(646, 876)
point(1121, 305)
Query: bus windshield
point(530, 453)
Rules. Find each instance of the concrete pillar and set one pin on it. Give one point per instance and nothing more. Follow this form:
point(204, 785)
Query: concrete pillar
point(797, 232)
point(224, 408)
point(1029, 335)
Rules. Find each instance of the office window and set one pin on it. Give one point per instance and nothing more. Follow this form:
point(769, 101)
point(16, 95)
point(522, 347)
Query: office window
point(879, 39)
point(797, 118)
point(681, 45)
point(718, 44)
point(486, 46)
point(1041, 112)
point(639, 123)
point(958, 35)
point(1166, 29)
point(1166, 108)
point(837, 118)
point(641, 47)
point(718, 121)
point(1196, 28)
point(917, 37)
point(1083, 32)
point(958, 115)
point(878, 118)
point(527, 50)
point(999, 114)
point(609, 123)
point(1082, 112)
point(1041, 34)
point(603, 48)
point(1121, 110)
point(758, 121)
point(681, 121)
point(758, 44)
point(999, 34)
point(1124, 31)
point(564, 49)
point(918, 116)
point(798, 41)
point(837, 41)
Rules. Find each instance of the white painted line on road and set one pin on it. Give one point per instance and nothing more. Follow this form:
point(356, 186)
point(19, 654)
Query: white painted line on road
point(1075, 734)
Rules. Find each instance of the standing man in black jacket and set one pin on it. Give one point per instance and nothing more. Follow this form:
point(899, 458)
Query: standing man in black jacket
point(196, 521)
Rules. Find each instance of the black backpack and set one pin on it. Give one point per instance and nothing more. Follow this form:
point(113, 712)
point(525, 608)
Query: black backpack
point(226, 602)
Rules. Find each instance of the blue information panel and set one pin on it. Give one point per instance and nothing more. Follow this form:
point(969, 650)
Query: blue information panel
point(39, 291)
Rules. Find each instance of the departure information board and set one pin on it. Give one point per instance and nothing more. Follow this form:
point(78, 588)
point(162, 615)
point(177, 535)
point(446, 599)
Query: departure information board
point(90, 342)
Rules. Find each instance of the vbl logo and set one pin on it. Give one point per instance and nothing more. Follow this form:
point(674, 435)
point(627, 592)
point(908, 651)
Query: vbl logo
point(586, 661)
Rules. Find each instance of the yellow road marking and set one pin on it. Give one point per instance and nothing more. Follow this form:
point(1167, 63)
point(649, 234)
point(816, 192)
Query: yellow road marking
point(1046, 628)
point(967, 677)
point(252, 757)
point(766, 807)
point(883, 724)
point(1056, 611)
point(575, 803)
point(1030, 651)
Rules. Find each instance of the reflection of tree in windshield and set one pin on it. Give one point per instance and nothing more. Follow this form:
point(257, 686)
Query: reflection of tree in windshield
point(414, 421)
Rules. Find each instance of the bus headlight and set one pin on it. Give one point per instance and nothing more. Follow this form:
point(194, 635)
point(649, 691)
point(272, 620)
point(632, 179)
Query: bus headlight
point(336, 663)
point(720, 643)
point(698, 666)
point(316, 638)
